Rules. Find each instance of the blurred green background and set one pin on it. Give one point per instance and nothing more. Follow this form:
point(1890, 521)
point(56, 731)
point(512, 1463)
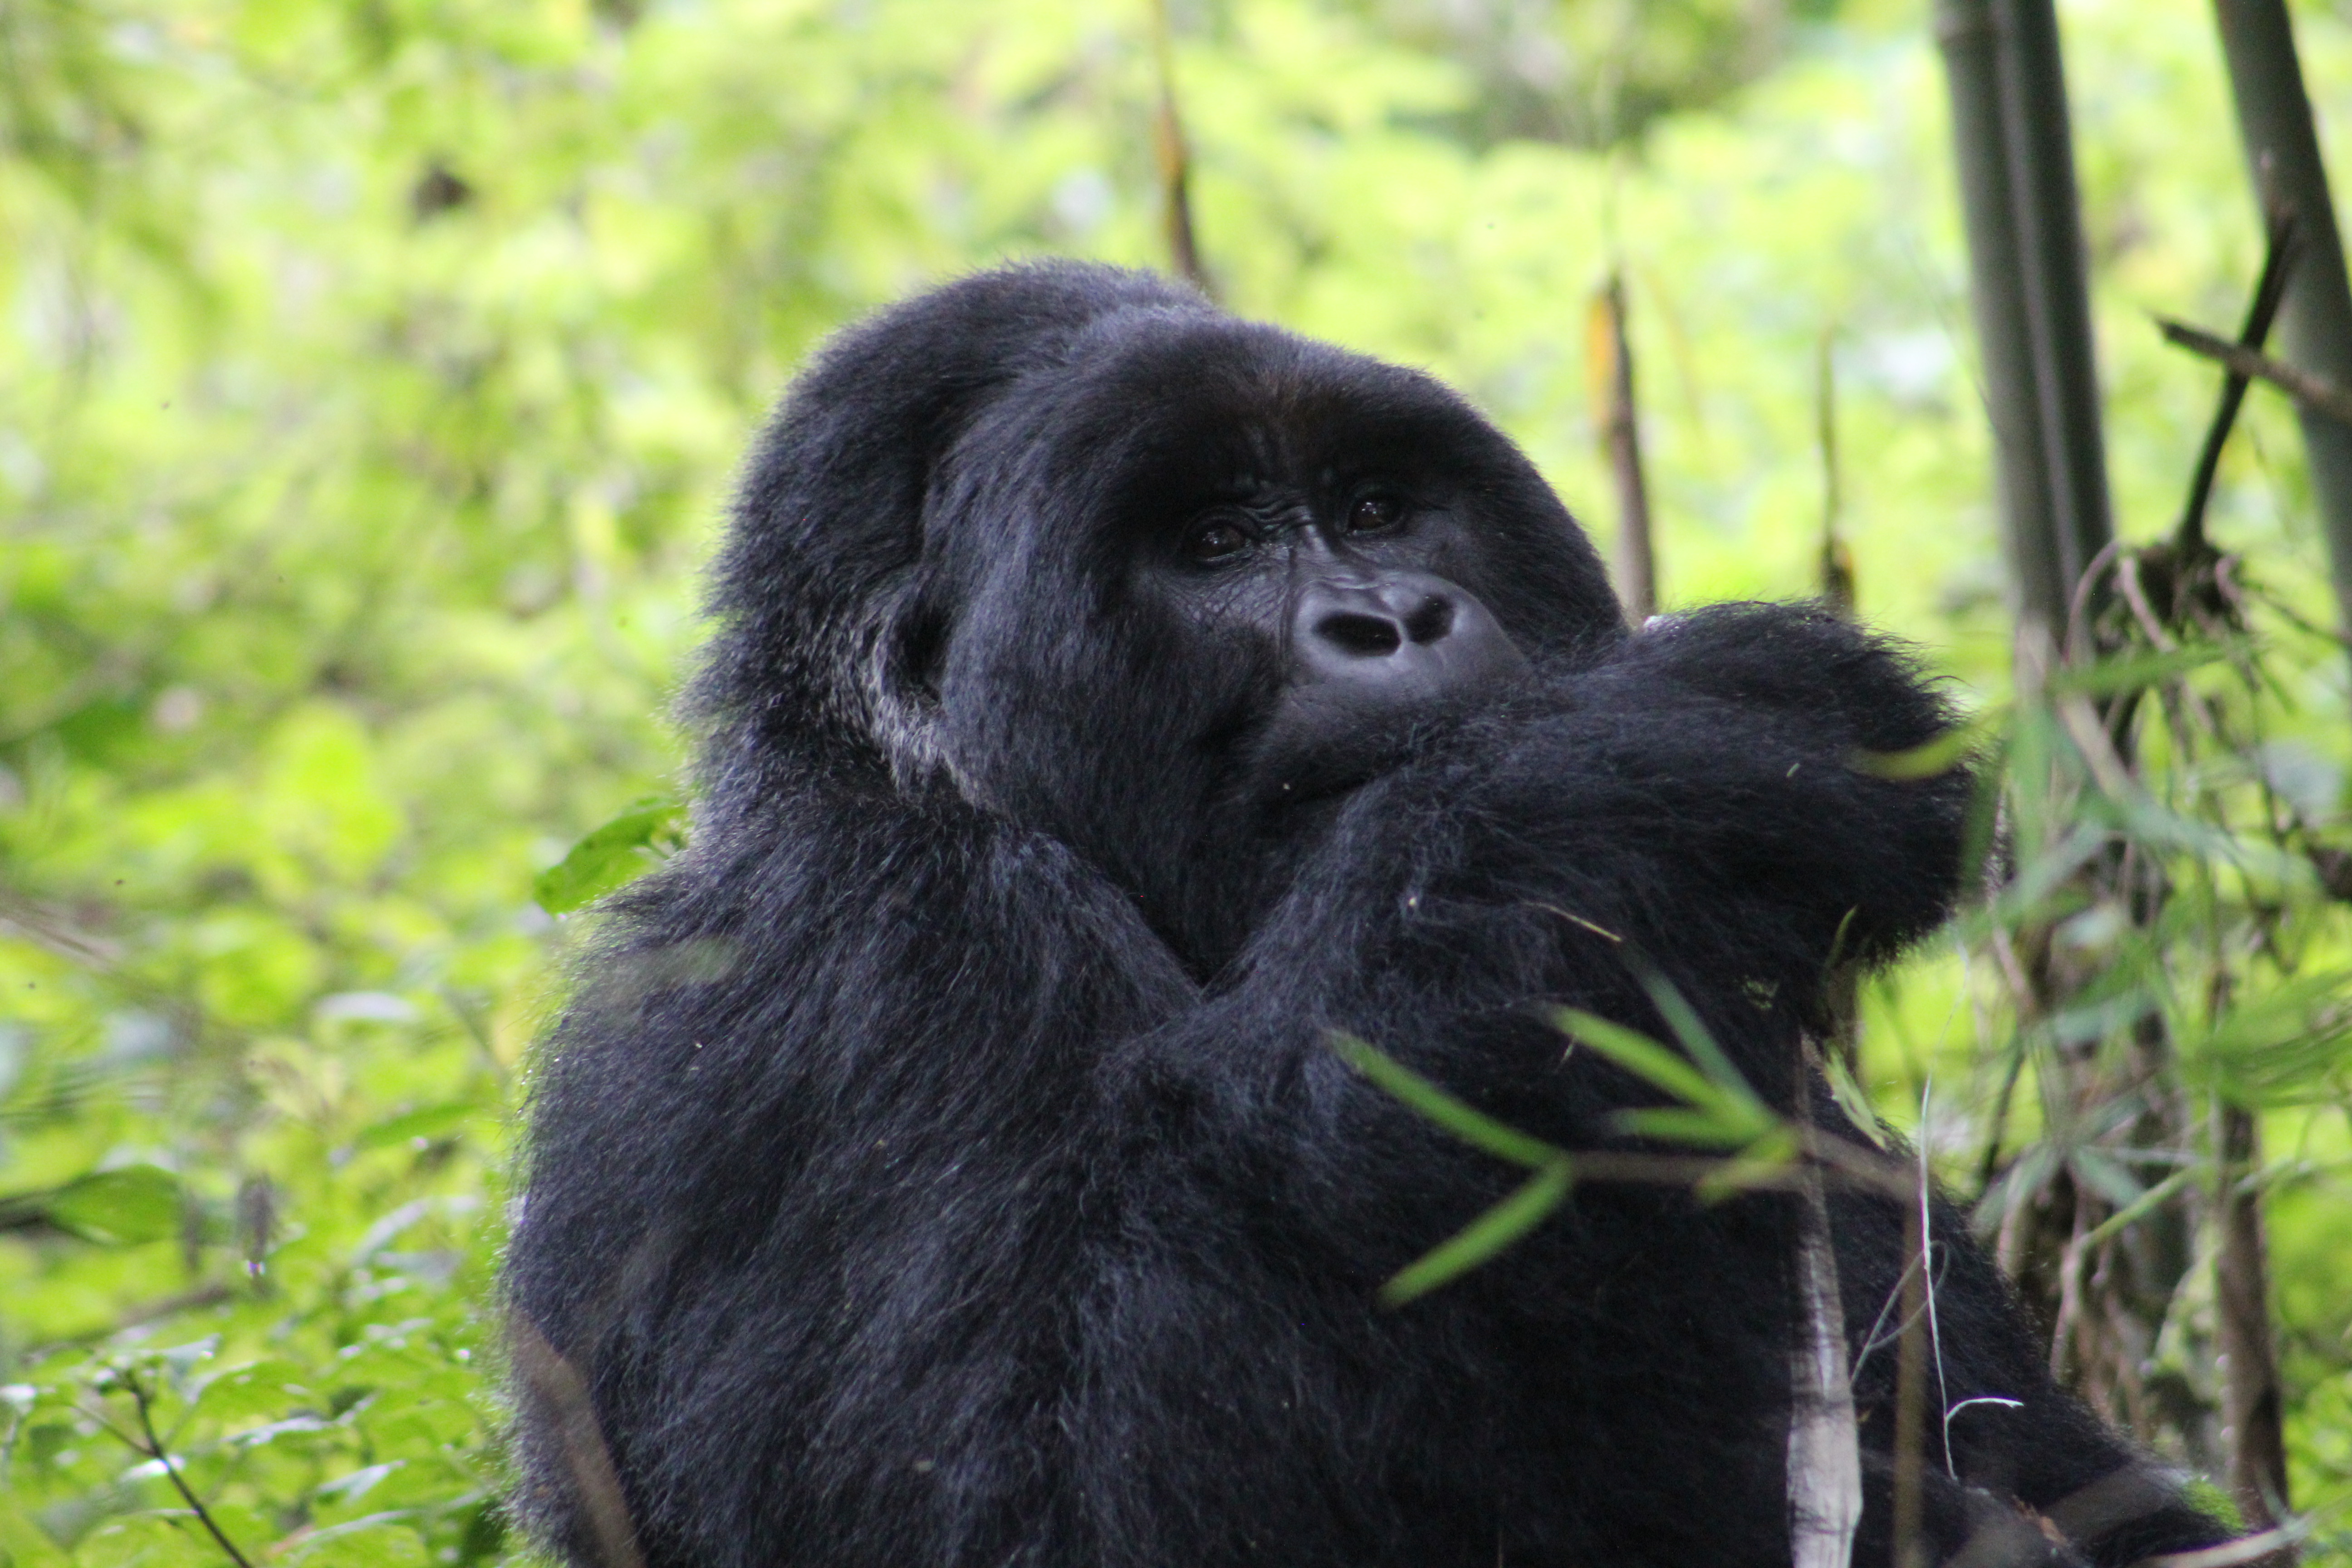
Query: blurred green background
point(370, 378)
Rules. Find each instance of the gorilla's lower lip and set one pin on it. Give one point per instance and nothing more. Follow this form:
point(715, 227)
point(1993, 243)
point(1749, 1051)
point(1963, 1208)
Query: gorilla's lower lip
point(1289, 792)
point(1308, 781)
point(1317, 745)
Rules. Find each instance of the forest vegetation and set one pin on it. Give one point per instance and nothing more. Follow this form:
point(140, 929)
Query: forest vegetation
point(372, 376)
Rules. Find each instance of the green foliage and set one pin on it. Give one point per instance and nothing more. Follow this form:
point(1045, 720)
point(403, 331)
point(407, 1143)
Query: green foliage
point(1713, 1109)
point(370, 383)
point(1500, 1225)
point(126, 1204)
point(627, 847)
point(1717, 1110)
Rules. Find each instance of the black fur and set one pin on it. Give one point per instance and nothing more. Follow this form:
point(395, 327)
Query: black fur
point(944, 1162)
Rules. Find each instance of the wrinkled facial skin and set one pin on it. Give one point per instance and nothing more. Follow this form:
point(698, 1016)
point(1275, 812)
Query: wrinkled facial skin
point(1370, 637)
point(1207, 578)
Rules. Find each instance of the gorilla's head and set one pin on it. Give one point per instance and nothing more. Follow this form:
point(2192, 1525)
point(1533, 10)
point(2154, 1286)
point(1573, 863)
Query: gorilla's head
point(1072, 544)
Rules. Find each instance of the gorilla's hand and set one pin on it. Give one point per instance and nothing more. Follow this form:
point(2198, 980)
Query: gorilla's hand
point(1798, 660)
point(1714, 797)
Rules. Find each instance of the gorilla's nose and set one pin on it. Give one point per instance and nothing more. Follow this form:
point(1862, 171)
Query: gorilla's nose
point(1398, 636)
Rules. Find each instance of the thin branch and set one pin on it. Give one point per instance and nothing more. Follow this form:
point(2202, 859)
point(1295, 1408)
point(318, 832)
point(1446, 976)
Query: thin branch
point(1175, 157)
point(2229, 1554)
point(1609, 371)
point(1911, 1392)
point(1837, 561)
point(2312, 391)
point(555, 1386)
point(2277, 263)
point(153, 1448)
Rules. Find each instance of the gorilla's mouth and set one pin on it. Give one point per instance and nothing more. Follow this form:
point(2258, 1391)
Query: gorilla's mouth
point(1322, 742)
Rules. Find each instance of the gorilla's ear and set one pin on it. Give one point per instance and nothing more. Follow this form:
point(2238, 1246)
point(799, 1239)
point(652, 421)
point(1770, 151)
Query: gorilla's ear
point(910, 632)
point(813, 585)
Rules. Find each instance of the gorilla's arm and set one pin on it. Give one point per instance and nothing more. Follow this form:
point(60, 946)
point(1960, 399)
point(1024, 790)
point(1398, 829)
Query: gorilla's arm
point(1712, 806)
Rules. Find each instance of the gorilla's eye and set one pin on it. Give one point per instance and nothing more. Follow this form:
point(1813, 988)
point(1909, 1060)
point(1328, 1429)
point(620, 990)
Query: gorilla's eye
point(1375, 514)
point(1214, 539)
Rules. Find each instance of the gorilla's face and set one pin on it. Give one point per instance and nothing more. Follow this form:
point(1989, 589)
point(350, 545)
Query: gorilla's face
point(1342, 575)
point(1201, 578)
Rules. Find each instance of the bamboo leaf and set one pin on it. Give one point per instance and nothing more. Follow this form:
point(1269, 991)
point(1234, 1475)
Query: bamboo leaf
point(1694, 1034)
point(1484, 1236)
point(1473, 1126)
point(1719, 1108)
point(2110, 675)
point(1936, 757)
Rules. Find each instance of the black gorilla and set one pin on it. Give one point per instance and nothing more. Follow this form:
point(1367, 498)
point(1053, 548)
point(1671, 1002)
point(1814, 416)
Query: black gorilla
point(945, 1161)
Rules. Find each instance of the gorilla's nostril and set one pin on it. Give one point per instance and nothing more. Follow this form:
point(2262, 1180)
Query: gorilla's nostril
point(1367, 636)
point(1432, 621)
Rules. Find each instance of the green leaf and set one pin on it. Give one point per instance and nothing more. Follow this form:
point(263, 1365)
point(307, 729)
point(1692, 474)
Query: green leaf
point(1719, 1109)
point(118, 1208)
point(1936, 758)
point(613, 855)
point(1708, 1129)
point(1852, 1099)
point(431, 1122)
point(1637, 1054)
point(250, 1392)
point(1484, 1236)
point(2111, 676)
point(1685, 1021)
point(1759, 1160)
point(1471, 1125)
point(2285, 1048)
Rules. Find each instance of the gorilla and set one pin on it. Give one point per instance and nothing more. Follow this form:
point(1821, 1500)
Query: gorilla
point(945, 1159)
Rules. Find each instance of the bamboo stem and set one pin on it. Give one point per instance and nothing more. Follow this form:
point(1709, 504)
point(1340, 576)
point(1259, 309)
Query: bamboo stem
point(1609, 362)
point(1911, 1392)
point(2282, 146)
point(2249, 1377)
point(1837, 561)
point(1175, 159)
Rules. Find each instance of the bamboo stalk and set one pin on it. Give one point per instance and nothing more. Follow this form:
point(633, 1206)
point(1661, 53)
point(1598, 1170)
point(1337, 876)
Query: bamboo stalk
point(1969, 37)
point(2282, 148)
point(1911, 1390)
point(2250, 1395)
point(1837, 560)
point(1824, 1462)
point(1175, 159)
point(1608, 368)
point(2039, 137)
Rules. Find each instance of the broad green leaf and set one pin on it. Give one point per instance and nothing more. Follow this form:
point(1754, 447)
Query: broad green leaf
point(131, 1204)
point(612, 856)
point(429, 1122)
